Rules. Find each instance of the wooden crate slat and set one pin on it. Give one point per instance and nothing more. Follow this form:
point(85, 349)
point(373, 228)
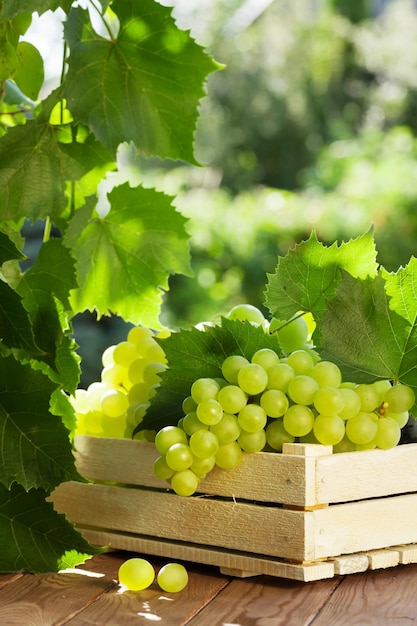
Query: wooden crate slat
point(366, 525)
point(229, 562)
point(228, 524)
point(353, 476)
point(263, 477)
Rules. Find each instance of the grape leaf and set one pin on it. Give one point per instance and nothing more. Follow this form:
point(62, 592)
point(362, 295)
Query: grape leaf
point(309, 274)
point(8, 249)
point(365, 336)
point(194, 353)
point(143, 85)
point(34, 537)
point(11, 8)
point(15, 326)
point(34, 447)
point(123, 259)
point(29, 75)
point(45, 289)
point(34, 168)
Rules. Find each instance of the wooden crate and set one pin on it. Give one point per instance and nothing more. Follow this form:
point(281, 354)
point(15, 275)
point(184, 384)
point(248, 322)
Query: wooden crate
point(305, 514)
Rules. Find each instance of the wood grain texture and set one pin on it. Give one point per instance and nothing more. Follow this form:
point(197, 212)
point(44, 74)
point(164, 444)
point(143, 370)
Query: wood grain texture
point(268, 602)
point(373, 599)
point(95, 459)
point(226, 524)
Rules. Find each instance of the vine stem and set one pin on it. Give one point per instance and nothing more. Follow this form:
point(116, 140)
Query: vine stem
point(47, 229)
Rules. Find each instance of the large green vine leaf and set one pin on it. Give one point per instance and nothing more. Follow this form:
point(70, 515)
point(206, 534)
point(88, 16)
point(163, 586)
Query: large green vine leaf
point(123, 259)
point(11, 8)
point(34, 537)
point(35, 167)
point(45, 288)
point(309, 274)
point(34, 447)
point(363, 332)
point(194, 353)
point(143, 85)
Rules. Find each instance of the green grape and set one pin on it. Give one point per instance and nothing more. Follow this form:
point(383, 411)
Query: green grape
point(188, 405)
point(203, 466)
point(124, 353)
point(209, 411)
point(329, 429)
point(400, 418)
point(252, 379)
point(252, 418)
point(292, 334)
point(302, 389)
point(352, 403)
point(161, 469)
point(115, 375)
point(329, 401)
point(172, 577)
point(326, 374)
point(114, 403)
point(93, 422)
point(191, 423)
point(276, 435)
point(185, 483)
point(136, 574)
point(155, 353)
point(113, 427)
point(231, 367)
point(300, 361)
point(362, 428)
point(167, 436)
point(252, 442)
point(344, 445)
point(204, 389)
point(368, 396)
point(274, 402)
point(381, 387)
point(137, 333)
point(266, 358)
point(247, 312)
point(400, 398)
point(232, 398)
point(228, 455)
point(135, 370)
point(138, 393)
point(388, 433)
point(151, 372)
point(298, 420)
point(309, 438)
point(107, 356)
point(203, 443)
point(279, 377)
point(179, 457)
point(136, 412)
point(227, 430)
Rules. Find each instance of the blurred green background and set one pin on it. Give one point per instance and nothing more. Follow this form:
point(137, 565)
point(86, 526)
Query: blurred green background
point(311, 125)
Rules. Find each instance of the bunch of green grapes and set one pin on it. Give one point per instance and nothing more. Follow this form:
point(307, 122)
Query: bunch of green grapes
point(265, 402)
point(115, 405)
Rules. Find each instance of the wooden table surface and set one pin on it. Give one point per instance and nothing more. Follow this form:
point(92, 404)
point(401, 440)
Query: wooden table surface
point(90, 595)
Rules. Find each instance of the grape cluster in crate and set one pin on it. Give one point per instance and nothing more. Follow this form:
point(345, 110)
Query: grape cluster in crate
point(258, 404)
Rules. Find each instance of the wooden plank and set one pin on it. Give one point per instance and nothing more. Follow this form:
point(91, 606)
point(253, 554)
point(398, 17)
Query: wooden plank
point(268, 602)
point(152, 605)
point(6, 579)
point(231, 563)
point(408, 554)
point(385, 596)
point(353, 476)
point(53, 598)
point(350, 564)
point(234, 525)
point(366, 525)
point(265, 477)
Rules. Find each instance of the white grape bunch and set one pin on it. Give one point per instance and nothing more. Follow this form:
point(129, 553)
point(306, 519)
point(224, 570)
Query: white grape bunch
point(262, 403)
point(130, 376)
